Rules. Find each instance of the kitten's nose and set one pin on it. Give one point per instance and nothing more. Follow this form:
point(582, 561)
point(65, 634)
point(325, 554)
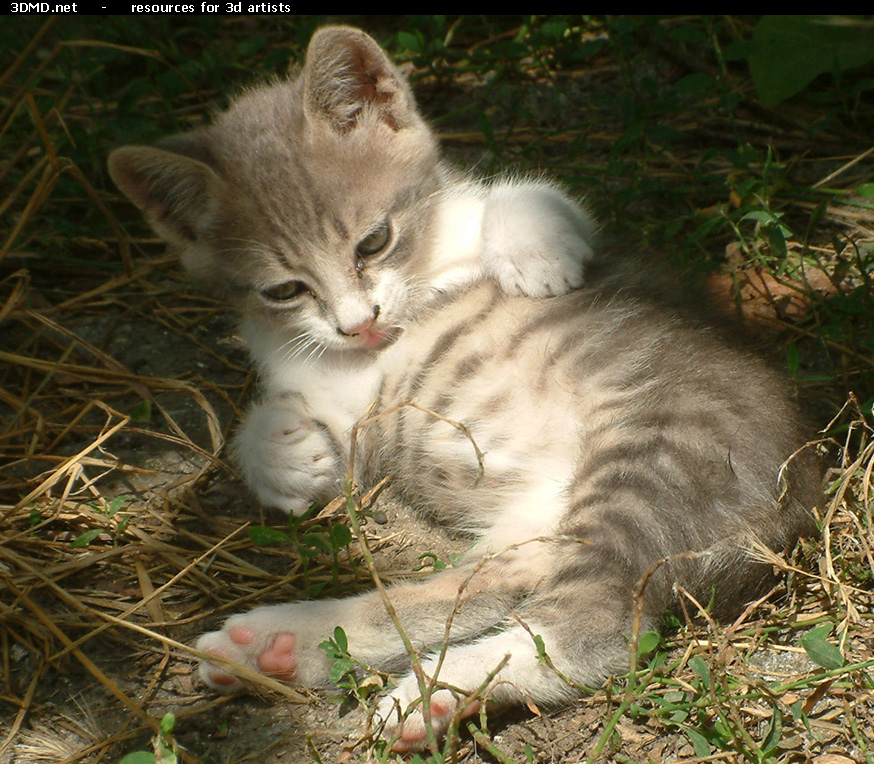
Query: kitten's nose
point(361, 328)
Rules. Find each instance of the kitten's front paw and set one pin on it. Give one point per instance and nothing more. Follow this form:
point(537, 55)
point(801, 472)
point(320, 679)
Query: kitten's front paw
point(288, 460)
point(404, 718)
point(536, 242)
point(280, 641)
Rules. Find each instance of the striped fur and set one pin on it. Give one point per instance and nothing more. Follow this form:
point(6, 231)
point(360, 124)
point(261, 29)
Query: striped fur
point(614, 431)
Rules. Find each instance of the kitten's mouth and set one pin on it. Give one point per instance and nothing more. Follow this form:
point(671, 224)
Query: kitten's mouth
point(377, 339)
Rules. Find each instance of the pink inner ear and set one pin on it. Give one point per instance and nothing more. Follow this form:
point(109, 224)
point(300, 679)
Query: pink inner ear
point(369, 74)
point(349, 76)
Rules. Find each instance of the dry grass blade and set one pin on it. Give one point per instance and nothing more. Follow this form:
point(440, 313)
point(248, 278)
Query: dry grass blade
point(43, 618)
point(25, 704)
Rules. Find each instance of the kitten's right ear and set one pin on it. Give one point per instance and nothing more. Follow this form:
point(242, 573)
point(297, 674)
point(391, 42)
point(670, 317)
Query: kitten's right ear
point(348, 77)
point(176, 190)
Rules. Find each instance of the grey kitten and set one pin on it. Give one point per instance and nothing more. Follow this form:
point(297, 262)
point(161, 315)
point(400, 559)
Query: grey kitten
point(613, 431)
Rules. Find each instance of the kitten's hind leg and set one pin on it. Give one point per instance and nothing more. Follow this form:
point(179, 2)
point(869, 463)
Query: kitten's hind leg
point(535, 240)
point(560, 642)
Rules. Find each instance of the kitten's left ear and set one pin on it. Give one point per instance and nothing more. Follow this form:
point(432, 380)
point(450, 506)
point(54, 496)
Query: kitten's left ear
point(178, 191)
point(348, 77)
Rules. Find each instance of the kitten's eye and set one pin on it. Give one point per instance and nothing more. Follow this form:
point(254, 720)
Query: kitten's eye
point(375, 241)
point(284, 292)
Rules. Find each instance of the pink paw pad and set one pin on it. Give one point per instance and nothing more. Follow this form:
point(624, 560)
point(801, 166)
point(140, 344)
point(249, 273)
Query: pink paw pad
point(242, 635)
point(216, 675)
point(413, 735)
point(279, 659)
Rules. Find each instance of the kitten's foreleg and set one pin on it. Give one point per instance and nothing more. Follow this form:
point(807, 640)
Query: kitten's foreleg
point(535, 240)
point(289, 460)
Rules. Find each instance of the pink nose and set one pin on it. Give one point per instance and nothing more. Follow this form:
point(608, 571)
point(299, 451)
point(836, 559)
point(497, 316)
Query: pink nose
point(367, 332)
point(361, 328)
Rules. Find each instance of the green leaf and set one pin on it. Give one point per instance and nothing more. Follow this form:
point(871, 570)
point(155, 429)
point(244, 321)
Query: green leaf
point(318, 541)
point(340, 639)
point(722, 732)
point(821, 651)
point(792, 359)
point(339, 669)
point(554, 31)
point(746, 186)
point(411, 42)
point(648, 642)
point(341, 536)
point(658, 659)
point(430, 559)
point(329, 647)
point(790, 51)
point(167, 755)
point(262, 535)
point(86, 538)
point(636, 711)
point(777, 240)
point(760, 216)
point(168, 721)
point(694, 84)
point(706, 228)
point(699, 743)
point(737, 50)
point(775, 733)
point(700, 668)
point(142, 412)
point(139, 757)
point(866, 190)
point(116, 504)
point(678, 716)
point(315, 588)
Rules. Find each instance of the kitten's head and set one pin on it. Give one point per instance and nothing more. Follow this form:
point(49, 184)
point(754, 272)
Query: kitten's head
point(308, 201)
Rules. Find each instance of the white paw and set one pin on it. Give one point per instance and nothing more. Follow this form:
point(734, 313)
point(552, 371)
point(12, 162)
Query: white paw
point(288, 460)
point(536, 241)
point(500, 669)
point(280, 641)
point(403, 715)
